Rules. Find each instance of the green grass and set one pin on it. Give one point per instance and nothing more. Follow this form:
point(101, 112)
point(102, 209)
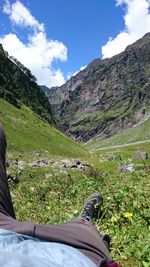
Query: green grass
point(27, 132)
point(59, 198)
point(123, 153)
point(138, 133)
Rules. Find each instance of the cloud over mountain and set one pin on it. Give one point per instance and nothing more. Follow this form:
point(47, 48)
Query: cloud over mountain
point(137, 23)
point(38, 53)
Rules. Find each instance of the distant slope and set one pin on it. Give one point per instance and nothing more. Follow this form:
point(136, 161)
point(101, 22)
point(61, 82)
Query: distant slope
point(27, 132)
point(138, 133)
point(107, 97)
point(18, 86)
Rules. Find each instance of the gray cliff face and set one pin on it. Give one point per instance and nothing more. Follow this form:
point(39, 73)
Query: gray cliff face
point(107, 97)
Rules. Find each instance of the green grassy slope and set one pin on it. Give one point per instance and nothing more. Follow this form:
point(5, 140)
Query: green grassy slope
point(18, 86)
point(27, 132)
point(55, 195)
point(138, 133)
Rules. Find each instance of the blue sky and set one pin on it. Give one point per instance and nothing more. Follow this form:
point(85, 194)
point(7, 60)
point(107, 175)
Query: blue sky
point(57, 38)
point(82, 25)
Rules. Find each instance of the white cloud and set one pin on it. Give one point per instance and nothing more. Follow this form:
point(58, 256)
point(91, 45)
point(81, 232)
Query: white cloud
point(21, 16)
point(39, 53)
point(137, 23)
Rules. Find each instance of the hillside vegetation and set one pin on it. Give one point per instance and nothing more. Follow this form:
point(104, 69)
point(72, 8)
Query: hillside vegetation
point(27, 132)
point(18, 86)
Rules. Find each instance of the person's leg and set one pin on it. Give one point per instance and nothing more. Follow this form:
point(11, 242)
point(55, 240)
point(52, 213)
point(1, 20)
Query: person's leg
point(7, 215)
point(6, 206)
point(78, 234)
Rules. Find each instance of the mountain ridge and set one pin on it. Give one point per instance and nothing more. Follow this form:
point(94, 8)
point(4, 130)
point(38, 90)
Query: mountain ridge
point(107, 97)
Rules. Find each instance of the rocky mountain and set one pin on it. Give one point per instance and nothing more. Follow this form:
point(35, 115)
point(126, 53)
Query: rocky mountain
point(18, 86)
point(107, 97)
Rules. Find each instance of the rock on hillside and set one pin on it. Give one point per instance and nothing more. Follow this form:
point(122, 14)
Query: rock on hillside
point(18, 86)
point(107, 97)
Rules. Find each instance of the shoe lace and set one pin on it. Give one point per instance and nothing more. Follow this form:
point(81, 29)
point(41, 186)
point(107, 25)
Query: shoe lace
point(90, 210)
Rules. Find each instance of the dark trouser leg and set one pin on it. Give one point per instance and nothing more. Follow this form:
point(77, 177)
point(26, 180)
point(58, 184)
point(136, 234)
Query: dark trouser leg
point(7, 215)
point(77, 234)
point(6, 206)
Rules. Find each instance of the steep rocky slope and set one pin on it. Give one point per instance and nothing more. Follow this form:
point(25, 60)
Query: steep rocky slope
point(107, 97)
point(18, 86)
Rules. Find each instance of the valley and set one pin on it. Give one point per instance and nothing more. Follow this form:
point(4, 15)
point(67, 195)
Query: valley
point(93, 135)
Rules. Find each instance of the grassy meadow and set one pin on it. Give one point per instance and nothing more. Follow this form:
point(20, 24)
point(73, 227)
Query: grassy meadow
point(138, 133)
point(26, 132)
point(55, 194)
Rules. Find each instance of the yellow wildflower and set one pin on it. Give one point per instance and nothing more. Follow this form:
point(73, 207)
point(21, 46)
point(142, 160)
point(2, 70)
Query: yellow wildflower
point(128, 215)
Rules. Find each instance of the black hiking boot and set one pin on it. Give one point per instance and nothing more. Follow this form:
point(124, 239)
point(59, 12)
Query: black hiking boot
point(91, 208)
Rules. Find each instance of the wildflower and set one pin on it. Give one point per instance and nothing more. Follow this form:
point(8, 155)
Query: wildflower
point(128, 215)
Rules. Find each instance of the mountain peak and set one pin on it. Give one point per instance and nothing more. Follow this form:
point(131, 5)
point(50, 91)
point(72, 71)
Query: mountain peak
point(147, 35)
point(107, 97)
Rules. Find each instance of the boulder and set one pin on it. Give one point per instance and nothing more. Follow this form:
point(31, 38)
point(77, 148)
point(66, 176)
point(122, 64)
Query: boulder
point(70, 164)
point(85, 164)
point(126, 168)
point(41, 163)
point(75, 164)
point(140, 155)
point(111, 157)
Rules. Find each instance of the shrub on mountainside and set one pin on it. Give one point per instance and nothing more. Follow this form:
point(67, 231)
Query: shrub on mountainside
point(18, 86)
